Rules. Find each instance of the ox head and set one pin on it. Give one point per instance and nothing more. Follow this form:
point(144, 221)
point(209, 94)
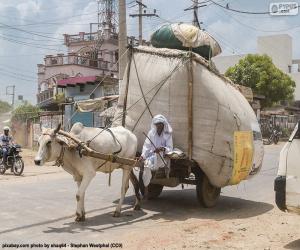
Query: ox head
point(50, 144)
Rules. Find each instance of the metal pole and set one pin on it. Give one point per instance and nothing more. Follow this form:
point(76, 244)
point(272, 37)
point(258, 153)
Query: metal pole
point(13, 95)
point(141, 22)
point(122, 38)
point(195, 16)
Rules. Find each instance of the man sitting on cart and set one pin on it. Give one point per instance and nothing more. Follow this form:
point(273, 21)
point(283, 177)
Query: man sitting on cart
point(158, 143)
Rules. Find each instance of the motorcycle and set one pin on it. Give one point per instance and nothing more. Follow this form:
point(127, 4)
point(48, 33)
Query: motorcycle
point(273, 138)
point(14, 161)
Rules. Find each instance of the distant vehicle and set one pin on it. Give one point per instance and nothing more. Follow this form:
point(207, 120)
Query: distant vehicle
point(287, 182)
point(273, 138)
point(14, 161)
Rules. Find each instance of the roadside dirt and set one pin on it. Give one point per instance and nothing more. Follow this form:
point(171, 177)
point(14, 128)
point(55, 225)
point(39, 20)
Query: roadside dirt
point(271, 230)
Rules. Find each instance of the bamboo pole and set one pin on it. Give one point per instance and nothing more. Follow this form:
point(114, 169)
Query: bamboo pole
point(190, 107)
point(127, 86)
point(86, 151)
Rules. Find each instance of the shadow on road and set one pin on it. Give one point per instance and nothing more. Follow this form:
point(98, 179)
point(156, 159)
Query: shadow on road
point(173, 205)
point(293, 245)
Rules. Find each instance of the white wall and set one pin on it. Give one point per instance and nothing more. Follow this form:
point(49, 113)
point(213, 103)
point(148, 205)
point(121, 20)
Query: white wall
point(224, 62)
point(296, 78)
point(279, 48)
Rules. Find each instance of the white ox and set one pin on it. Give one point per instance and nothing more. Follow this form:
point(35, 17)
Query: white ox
point(52, 147)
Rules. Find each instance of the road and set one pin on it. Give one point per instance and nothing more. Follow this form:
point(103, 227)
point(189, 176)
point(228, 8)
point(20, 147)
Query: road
point(39, 208)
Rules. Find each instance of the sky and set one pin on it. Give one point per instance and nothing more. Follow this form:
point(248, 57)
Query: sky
point(31, 29)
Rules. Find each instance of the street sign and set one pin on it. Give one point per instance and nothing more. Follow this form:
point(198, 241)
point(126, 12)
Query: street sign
point(284, 9)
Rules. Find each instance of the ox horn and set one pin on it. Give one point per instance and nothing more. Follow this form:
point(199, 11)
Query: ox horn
point(57, 129)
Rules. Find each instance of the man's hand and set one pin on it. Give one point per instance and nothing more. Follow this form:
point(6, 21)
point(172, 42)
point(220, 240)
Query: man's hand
point(161, 149)
point(141, 158)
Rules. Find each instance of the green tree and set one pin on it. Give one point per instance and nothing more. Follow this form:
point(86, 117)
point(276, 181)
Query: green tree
point(4, 107)
point(25, 111)
point(260, 74)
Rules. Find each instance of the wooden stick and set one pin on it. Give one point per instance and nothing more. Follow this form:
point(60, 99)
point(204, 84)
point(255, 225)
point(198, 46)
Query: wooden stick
point(190, 107)
point(127, 86)
point(86, 151)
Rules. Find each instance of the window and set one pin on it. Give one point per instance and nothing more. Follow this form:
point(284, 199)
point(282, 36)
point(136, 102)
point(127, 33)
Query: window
point(81, 88)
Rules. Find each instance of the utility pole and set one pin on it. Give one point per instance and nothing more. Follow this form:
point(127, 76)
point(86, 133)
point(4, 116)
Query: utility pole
point(195, 8)
point(141, 5)
point(13, 87)
point(140, 16)
point(122, 38)
point(195, 18)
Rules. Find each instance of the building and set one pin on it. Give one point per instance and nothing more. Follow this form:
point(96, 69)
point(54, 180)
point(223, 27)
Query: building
point(279, 48)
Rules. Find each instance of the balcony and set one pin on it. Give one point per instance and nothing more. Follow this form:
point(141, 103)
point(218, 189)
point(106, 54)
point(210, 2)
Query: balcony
point(45, 98)
point(74, 59)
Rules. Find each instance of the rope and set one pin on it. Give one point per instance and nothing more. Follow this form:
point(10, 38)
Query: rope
point(138, 78)
point(163, 82)
point(121, 114)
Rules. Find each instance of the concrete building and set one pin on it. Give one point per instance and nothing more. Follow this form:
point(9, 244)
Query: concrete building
point(83, 59)
point(279, 48)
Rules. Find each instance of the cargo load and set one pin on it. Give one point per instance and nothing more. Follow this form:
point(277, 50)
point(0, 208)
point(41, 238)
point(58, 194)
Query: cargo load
point(186, 37)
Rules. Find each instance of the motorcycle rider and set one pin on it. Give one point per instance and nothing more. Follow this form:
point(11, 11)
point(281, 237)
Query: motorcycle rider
point(6, 141)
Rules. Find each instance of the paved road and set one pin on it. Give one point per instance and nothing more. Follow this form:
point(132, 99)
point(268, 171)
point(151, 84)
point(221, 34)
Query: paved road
point(39, 208)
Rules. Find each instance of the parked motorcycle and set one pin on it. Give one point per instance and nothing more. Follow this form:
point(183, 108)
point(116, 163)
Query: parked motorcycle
point(273, 138)
point(14, 161)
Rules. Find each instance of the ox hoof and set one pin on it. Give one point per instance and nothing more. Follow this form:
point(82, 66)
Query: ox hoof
point(137, 207)
point(80, 218)
point(116, 214)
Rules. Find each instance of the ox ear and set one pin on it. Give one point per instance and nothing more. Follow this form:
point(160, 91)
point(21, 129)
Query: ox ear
point(43, 130)
point(57, 128)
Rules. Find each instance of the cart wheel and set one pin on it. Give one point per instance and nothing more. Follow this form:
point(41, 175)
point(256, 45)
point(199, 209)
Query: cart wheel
point(207, 194)
point(154, 190)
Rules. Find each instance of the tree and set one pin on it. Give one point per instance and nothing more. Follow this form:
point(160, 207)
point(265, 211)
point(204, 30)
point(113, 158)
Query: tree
point(4, 107)
point(25, 111)
point(260, 74)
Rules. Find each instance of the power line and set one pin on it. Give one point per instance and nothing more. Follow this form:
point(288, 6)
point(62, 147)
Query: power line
point(242, 11)
point(256, 29)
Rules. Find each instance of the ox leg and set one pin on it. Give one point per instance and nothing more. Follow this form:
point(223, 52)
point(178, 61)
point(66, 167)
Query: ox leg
point(135, 183)
point(125, 186)
point(86, 180)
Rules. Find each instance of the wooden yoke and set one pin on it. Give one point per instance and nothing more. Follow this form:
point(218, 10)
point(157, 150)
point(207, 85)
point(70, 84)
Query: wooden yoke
point(190, 106)
point(86, 151)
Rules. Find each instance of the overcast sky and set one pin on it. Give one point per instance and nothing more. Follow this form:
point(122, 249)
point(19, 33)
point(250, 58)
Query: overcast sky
point(30, 29)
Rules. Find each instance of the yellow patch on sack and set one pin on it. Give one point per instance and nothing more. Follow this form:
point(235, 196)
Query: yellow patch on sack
point(243, 156)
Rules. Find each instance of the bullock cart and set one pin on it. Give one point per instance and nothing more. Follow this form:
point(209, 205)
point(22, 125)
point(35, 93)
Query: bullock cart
point(213, 123)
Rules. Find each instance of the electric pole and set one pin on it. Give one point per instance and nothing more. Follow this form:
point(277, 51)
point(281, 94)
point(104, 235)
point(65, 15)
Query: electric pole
point(141, 5)
point(140, 16)
point(195, 8)
point(13, 87)
point(195, 18)
point(122, 38)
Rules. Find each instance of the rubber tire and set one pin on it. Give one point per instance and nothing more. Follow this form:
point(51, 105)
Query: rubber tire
point(207, 194)
point(22, 167)
point(2, 169)
point(154, 190)
point(276, 139)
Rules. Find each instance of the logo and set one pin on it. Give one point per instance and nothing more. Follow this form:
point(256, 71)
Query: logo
point(284, 9)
